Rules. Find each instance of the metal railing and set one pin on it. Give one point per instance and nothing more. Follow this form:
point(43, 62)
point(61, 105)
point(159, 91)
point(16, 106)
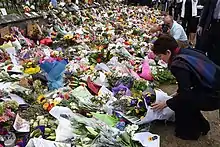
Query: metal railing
point(13, 6)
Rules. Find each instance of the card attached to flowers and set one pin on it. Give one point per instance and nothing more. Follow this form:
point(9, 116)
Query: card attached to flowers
point(21, 125)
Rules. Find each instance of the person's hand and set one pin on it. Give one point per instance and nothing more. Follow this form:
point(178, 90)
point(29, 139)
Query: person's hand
point(155, 28)
point(168, 31)
point(199, 30)
point(159, 105)
point(174, 94)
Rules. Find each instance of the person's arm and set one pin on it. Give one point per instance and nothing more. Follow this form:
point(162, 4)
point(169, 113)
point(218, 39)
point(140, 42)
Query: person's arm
point(204, 14)
point(184, 91)
point(155, 28)
point(177, 33)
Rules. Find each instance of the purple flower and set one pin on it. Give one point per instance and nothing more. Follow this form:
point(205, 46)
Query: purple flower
point(148, 100)
point(115, 90)
point(140, 104)
point(42, 128)
point(133, 102)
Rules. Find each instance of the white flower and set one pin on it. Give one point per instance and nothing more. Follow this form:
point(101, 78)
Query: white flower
point(132, 134)
point(154, 70)
point(40, 117)
point(161, 70)
point(134, 127)
point(162, 63)
point(128, 129)
point(73, 106)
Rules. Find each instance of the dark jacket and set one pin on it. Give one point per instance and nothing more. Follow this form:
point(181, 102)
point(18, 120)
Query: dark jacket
point(207, 14)
point(191, 86)
point(206, 71)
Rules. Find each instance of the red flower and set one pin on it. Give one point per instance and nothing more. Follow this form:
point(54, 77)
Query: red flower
point(59, 59)
point(87, 36)
point(50, 107)
point(100, 55)
point(99, 60)
point(10, 67)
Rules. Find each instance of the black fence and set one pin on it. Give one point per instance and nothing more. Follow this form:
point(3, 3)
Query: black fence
point(13, 6)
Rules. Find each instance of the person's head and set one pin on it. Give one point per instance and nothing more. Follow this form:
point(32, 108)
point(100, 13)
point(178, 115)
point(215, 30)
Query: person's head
point(168, 20)
point(164, 47)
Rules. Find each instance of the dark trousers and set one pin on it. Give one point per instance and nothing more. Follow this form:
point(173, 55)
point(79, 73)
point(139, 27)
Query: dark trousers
point(177, 10)
point(214, 41)
point(190, 122)
point(171, 9)
point(210, 42)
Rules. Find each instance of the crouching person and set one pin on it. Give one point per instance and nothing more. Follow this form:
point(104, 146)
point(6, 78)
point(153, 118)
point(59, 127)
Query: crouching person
point(198, 87)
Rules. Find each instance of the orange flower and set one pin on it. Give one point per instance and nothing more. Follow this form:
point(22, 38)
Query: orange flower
point(46, 106)
point(50, 106)
point(66, 96)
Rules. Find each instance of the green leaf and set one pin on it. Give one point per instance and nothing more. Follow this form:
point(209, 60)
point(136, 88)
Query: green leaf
point(125, 137)
point(92, 131)
point(109, 120)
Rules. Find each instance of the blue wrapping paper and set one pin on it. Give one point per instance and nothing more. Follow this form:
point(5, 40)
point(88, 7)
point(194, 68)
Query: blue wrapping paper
point(54, 72)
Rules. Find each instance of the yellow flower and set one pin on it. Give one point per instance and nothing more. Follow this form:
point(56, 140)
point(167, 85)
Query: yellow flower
point(32, 70)
point(45, 106)
point(137, 111)
point(29, 63)
point(68, 36)
point(92, 67)
point(154, 20)
point(41, 99)
point(142, 117)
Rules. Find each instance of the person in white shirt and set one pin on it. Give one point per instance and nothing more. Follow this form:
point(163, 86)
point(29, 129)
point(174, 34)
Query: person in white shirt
point(176, 31)
point(171, 27)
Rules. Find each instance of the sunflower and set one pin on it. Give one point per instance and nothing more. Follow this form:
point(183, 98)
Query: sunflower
point(41, 99)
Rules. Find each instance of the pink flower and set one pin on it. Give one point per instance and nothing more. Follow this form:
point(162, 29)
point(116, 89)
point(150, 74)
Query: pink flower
point(4, 118)
point(151, 55)
point(132, 62)
point(9, 113)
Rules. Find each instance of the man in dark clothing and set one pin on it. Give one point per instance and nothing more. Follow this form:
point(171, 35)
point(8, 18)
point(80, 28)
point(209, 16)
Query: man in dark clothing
point(177, 9)
point(209, 29)
point(198, 81)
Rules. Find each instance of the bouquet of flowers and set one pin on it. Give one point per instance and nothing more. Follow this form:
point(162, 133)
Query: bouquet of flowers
point(43, 126)
point(101, 56)
point(7, 113)
point(30, 67)
point(54, 70)
point(163, 76)
point(126, 138)
point(93, 132)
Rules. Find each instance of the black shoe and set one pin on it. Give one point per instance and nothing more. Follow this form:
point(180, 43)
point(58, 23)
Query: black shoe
point(188, 136)
point(205, 130)
point(205, 126)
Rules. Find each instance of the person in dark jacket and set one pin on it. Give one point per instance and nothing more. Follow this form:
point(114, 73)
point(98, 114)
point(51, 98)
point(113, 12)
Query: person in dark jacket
point(198, 81)
point(209, 30)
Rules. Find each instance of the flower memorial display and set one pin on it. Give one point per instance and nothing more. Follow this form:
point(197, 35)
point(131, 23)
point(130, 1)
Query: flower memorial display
point(86, 78)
